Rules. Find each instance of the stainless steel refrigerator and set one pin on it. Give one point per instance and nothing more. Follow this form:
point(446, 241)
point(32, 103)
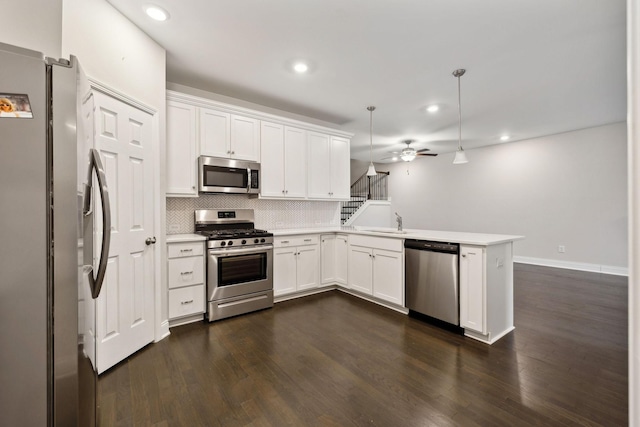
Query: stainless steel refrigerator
point(52, 261)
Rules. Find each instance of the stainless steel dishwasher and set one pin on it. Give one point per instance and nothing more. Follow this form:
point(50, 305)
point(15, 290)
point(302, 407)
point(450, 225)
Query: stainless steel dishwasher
point(431, 278)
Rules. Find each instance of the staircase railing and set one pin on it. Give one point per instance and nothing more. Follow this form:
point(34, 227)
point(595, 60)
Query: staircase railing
point(365, 188)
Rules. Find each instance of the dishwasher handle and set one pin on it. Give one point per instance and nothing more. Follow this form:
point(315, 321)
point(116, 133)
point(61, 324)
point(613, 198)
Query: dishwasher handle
point(427, 245)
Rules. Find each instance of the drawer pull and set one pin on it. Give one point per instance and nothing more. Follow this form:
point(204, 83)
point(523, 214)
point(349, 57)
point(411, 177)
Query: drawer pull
point(285, 241)
point(307, 240)
point(186, 302)
point(186, 250)
point(185, 273)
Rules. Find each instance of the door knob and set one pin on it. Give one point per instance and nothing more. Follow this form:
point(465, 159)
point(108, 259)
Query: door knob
point(150, 241)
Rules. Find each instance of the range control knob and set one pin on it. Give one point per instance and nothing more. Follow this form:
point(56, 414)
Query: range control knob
point(244, 242)
point(223, 243)
point(262, 240)
point(230, 242)
point(256, 240)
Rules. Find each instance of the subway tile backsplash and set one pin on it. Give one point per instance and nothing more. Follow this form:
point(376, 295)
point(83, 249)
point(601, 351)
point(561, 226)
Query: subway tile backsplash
point(269, 214)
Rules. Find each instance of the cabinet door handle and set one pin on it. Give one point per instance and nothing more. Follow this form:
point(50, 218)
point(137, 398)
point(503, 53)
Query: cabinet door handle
point(233, 152)
point(185, 273)
point(464, 255)
point(228, 151)
point(186, 302)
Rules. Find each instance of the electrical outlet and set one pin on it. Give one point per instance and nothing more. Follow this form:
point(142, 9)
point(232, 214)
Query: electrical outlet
point(174, 228)
point(561, 249)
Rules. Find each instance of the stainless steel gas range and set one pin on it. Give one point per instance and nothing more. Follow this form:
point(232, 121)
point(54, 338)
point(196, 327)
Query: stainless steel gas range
point(239, 262)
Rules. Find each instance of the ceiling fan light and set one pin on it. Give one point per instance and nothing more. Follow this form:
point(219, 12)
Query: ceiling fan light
point(371, 171)
point(407, 157)
point(460, 157)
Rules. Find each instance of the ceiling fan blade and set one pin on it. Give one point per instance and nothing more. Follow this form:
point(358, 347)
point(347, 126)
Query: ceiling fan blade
point(426, 154)
point(422, 150)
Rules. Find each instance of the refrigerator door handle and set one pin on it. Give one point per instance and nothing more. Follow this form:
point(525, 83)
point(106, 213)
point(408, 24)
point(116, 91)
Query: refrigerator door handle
point(95, 163)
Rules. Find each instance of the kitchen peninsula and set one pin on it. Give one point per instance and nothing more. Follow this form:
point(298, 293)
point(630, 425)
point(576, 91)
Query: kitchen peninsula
point(369, 263)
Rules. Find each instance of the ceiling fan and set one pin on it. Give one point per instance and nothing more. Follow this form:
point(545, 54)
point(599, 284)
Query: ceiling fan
point(409, 153)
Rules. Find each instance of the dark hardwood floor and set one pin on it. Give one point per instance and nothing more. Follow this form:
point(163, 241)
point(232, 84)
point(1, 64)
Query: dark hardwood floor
point(332, 359)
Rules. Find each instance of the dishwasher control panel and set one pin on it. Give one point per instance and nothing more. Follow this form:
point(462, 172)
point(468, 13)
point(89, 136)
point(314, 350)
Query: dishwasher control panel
point(427, 245)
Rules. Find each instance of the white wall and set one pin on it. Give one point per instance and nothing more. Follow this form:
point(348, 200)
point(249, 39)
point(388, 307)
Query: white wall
point(114, 51)
point(34, 24)
point(568, 189)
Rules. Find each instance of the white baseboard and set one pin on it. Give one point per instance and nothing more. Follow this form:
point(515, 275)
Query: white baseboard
point(569, 265)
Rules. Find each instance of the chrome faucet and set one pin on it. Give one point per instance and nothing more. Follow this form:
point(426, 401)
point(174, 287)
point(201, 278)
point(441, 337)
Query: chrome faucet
point(399, 221)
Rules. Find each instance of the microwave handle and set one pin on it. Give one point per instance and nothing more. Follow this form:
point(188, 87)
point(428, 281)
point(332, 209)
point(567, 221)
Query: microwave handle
point(248, 180)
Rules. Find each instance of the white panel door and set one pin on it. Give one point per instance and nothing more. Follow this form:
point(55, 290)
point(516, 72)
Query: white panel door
point(387, 276)
point(125, 307)
point(284, 270)
point(308, 267)
point(319, 165)
point(342, 258)
point(272, 160)
point(215, 133)
point(245, 138)
point(361, 269)
point(472, 289)
point(340, 168)
point(181, 149)
point(295, 162)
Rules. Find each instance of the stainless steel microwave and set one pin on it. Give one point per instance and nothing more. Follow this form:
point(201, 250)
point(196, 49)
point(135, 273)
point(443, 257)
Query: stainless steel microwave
point(218, 175)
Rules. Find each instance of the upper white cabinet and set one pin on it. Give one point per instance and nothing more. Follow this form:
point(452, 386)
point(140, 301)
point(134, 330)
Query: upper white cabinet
point(328, 166)
point(229, 135)
point(182, 153)
point(283, 167)
point(289, 170)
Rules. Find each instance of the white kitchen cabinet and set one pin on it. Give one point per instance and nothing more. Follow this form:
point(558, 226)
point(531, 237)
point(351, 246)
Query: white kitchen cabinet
point(328, 167)
point(283, 167)
point(486, 291)
point(182, 152)
point(376, 267)
point(333, 254)
point(296, 265)
point(186, 281)
point(342, 257)
point(229, 135)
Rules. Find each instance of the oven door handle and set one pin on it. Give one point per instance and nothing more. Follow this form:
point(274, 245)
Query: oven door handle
point(252, 249)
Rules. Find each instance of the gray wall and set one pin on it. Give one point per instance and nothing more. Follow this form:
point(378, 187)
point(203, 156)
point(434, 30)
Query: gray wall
point(568, 189)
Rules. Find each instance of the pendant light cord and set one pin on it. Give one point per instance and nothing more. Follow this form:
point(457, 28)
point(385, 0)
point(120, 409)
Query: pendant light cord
point(459, 115)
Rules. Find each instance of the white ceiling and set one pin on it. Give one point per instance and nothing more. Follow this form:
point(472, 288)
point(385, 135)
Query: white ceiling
point(534, 67)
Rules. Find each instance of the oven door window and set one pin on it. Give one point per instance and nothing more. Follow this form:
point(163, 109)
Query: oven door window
point(215, 176)
point(236, 269)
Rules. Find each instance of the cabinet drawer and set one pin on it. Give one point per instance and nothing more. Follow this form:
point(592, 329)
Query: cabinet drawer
point(178, 250)
point(306, 239)
point(388, 244)
point(186, 271)
point(186, 301)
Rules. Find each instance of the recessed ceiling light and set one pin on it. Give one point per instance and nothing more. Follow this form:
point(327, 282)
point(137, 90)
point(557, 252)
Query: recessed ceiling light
point(156, 12)
point(395, 159)
point(300, 67)
point(505, 138)
point(433, 108)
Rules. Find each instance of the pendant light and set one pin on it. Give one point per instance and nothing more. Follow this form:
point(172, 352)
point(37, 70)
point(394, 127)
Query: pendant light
point(461, 157)
point(372, 170)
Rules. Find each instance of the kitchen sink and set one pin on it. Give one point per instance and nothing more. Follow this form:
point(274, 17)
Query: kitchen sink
point(387, 230)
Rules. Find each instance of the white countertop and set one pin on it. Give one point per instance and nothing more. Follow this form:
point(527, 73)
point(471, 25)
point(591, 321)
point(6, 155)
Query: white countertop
point(480, 239)
point(177, 238)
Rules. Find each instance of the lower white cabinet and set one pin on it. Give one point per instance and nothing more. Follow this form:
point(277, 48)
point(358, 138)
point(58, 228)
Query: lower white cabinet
point(334, 254)
point(376, 267)
point(296, 264)
point(186, 281)
point(486, 291)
